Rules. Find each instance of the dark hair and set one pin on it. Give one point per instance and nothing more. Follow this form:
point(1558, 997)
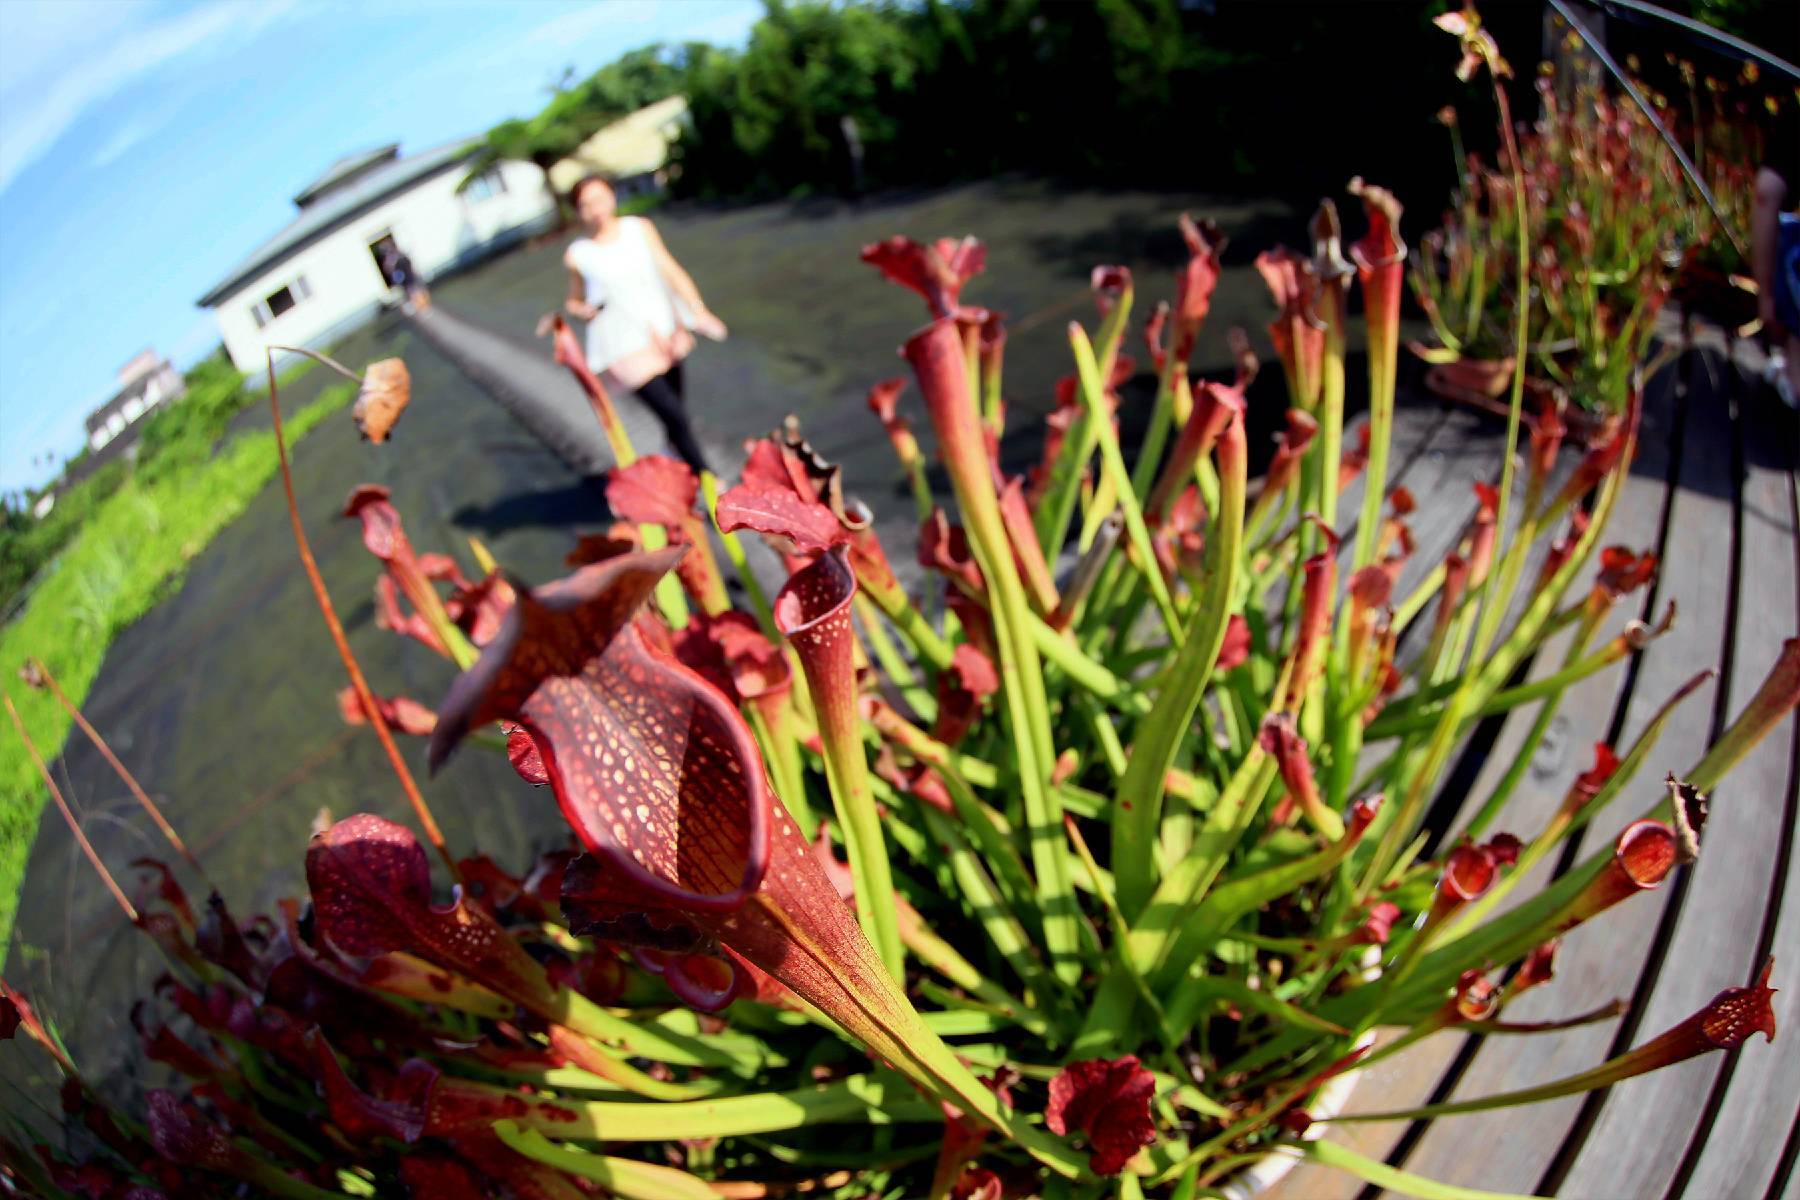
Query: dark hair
point(584, 181)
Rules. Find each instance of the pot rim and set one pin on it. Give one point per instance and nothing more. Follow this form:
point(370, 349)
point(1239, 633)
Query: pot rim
point(1259, 1177)
point(1263, 1174)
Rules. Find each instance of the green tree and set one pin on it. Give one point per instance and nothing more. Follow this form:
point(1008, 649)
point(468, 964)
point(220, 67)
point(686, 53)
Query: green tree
point(771, 118)
point(577, 111)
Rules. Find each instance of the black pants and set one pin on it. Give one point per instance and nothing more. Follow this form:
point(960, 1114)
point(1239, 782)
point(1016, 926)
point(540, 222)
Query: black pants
point(662, 395)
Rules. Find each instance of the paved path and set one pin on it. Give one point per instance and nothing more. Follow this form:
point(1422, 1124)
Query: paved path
point(544, 398)
point(540, 395)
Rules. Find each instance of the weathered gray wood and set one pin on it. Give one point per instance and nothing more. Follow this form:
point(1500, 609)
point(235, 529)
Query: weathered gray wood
point(1457, 451)
point(1414, 427)
point(1462, 451)
point(1635, 1144)
point(1737, 1153)
point(1410, 1078)
point(1419, 430)
point(1509, 1150)
point(1723, 901)
point(1440, 527)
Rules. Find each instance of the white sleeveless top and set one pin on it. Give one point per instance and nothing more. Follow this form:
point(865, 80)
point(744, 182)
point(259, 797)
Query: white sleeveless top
point(641, 331)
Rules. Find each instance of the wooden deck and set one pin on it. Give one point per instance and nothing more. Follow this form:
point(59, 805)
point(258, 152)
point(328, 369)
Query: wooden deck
point(1713, 492)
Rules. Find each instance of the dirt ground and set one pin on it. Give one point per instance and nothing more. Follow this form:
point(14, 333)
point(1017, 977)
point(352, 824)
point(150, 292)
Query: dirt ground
point(222, 699)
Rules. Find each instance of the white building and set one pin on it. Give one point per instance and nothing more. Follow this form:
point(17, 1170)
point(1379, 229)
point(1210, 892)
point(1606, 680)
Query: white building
point(143, 383)
point(321, 276)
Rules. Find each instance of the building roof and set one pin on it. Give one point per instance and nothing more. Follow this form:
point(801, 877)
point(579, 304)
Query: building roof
point(635, 144)
point(136, 385)
point(345, 169)
point(336, 197)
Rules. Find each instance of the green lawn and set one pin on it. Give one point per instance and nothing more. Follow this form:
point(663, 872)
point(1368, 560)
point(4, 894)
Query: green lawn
point(127, 556)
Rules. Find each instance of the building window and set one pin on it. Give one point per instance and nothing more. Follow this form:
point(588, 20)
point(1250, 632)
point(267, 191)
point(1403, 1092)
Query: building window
point(134, 408)
point(485, 186)
point(280, 300)
point(115, 425)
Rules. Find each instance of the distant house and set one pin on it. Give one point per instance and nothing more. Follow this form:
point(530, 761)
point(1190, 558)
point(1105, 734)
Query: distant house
point(321, 276)
point(144, 384)
point(633, 151)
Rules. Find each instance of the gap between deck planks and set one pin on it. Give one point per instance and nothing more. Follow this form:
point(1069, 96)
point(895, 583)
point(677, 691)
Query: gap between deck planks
point(1708, 916)
point(1509, 1150)
point(1749, 1104)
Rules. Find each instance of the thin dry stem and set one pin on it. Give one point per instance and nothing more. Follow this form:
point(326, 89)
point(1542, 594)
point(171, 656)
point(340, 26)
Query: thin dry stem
point(87, 847)
point(323, 359)
point(427, 822)
point(112, 760)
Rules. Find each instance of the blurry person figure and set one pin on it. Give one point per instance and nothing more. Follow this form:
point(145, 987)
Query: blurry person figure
point(401, 274)
point(853, 146)
point(640, 307)
point(1775, 259)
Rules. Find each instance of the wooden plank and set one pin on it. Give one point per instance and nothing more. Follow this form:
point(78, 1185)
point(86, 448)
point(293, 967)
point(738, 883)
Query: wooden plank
point(1418, 429)
point(1405, 1080)
point(1718, 907)
point(1736, 1152)
point(1439, 529)
point(1415, 425)
point(1461, 452)
point(1537, 796)
point(1565, 751)
point(1509, 1150)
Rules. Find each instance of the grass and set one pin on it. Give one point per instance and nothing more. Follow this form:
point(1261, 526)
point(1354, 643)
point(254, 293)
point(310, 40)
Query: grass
point(130, 554)
point(27, 543)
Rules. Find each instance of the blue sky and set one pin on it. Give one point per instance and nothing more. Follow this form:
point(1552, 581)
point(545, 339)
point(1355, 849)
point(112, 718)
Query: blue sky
point(146, 145)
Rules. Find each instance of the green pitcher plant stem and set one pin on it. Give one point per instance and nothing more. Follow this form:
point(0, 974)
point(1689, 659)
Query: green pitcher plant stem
point(1137, 807)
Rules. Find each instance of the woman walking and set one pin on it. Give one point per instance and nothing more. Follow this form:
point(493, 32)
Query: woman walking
point(640, 307)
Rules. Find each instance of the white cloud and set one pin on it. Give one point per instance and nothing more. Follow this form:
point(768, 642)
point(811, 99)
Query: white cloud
point(80, 65)
point(574, 27)
point(128, 135)
point(721, 21)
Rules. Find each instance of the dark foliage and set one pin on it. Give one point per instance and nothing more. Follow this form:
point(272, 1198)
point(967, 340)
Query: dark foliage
point(1118, 91)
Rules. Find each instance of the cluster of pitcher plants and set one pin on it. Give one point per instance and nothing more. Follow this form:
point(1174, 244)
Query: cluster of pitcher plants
point(1078, 867)
point(1612, 228)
